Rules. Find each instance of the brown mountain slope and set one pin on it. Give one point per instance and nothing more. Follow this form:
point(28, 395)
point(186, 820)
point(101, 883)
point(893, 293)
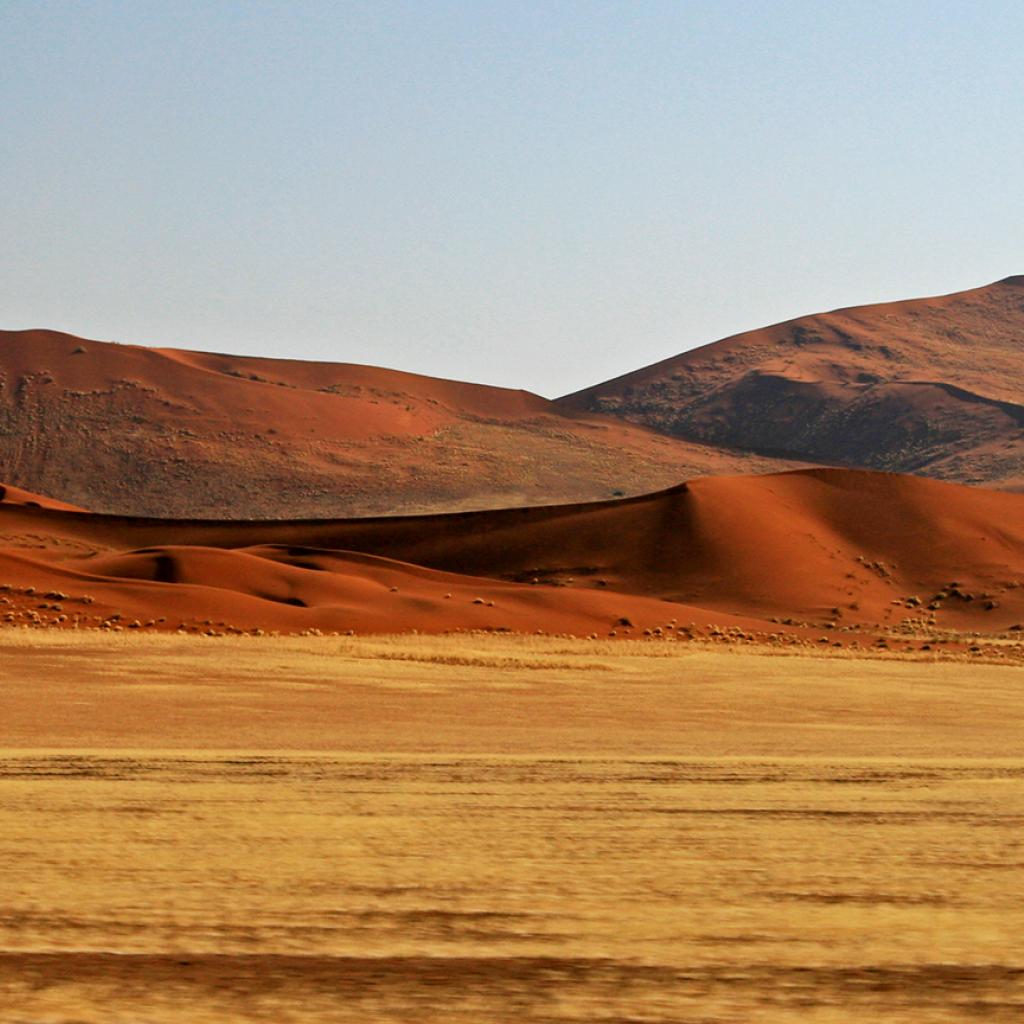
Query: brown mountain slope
point(929, 386)
point(122, 428)
point(856, 549)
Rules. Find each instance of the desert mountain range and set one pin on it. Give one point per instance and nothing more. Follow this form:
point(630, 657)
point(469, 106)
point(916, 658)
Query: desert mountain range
point(929, 386)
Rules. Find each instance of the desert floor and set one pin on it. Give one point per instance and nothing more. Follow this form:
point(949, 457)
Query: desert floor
point(497, 829)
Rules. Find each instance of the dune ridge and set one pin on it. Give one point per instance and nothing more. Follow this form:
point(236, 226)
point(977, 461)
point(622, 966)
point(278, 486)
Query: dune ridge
point(19, 496)
point(816, 549)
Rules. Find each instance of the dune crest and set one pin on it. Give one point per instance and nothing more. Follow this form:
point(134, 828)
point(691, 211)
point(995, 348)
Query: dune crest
point(814, 549)
point(19, 496)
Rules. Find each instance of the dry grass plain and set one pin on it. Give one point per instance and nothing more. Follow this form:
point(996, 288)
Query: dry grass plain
point(502, 829)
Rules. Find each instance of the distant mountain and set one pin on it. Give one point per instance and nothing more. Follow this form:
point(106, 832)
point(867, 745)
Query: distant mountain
point(932, 386)
point(163, 432)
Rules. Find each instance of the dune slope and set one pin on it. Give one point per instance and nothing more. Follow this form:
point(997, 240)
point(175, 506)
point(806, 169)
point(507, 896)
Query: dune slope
point(818, 547)
point(930, 386)
point(122, 428)
point(19, 496)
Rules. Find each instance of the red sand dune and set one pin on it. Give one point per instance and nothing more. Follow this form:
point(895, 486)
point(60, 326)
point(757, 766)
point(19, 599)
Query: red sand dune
point(122, 428)
point(840, 546)
point(929, 386)
point(19, 496)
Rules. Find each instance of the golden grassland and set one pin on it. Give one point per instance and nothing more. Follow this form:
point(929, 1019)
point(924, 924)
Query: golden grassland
point(504, 829)
point(492, 694)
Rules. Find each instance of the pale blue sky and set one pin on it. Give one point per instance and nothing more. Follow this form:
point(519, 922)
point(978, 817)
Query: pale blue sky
point(538, 195)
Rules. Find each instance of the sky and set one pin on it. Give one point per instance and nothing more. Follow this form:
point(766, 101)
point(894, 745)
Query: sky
point(535, 195)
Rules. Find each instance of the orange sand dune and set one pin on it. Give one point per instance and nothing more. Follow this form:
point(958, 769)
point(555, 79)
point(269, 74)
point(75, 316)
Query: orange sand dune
point(842, 547)
point(931, 386)
point(128, 429)
point(251, 588)
point(19, 496)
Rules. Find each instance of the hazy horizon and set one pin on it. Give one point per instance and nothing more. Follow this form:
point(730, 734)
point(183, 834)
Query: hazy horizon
point(541, 196)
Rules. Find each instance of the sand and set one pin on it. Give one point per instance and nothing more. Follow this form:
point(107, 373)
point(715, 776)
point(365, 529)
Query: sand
point(836, 556)
point(146, 431)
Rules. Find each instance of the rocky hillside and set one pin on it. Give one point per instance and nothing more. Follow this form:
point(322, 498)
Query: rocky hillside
point(928, 386)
